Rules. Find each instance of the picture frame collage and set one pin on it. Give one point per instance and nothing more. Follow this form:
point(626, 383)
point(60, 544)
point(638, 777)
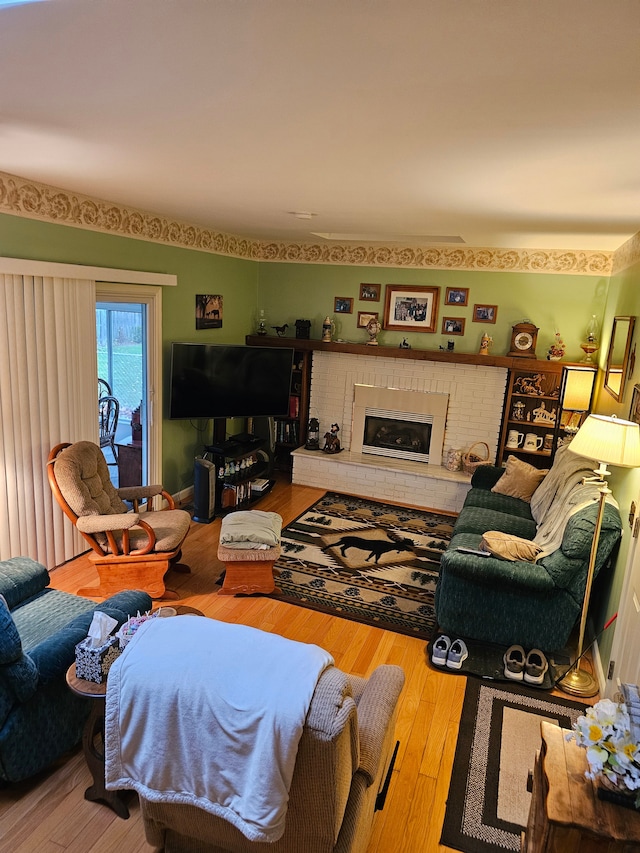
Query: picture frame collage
point(414, 308)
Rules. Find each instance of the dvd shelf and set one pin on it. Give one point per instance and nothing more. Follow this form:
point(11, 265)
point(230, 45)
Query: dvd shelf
point(242, 469)
point(290, 431)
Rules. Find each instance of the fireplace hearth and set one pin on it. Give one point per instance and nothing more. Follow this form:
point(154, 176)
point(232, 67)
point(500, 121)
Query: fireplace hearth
point(385, 434)
point(400, 424)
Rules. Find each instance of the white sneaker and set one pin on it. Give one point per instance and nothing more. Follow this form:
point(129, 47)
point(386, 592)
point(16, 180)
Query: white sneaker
point(458, 653)
point(440, 650)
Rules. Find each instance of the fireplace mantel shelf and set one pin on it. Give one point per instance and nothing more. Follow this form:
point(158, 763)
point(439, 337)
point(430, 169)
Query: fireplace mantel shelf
point(396, 352)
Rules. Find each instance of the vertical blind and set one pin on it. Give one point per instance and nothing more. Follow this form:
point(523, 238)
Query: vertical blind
point(48, 395)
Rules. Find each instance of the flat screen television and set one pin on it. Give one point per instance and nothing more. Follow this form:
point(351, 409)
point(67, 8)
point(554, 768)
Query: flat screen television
point(219, 381)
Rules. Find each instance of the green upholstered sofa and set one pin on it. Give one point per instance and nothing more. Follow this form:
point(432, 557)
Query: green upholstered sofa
point(40, 718)
point(533, 604)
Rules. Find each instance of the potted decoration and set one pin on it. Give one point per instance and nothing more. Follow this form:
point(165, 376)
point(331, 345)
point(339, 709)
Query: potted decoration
point(613, 751)
point(557, 349)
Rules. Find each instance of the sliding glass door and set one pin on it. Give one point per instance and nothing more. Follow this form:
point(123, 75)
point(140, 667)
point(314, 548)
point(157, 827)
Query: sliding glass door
point(127, 332)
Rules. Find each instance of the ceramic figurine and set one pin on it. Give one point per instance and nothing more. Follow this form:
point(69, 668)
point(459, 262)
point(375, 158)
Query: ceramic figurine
point(331, 440)
point(485, 343)
point(373, 330)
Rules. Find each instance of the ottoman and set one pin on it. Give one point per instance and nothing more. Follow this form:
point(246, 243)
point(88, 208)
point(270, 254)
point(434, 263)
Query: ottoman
point(249, 546)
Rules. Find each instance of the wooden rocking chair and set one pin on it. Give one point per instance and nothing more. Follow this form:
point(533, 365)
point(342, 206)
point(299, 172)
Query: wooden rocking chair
point(130, 549)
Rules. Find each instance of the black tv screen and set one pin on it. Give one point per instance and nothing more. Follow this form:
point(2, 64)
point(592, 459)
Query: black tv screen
point(217, 381)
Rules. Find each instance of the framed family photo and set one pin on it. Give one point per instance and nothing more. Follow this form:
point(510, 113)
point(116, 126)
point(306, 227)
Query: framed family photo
point(457, 296)
point(343, 305)
point(411, 308)
point(453, 325)
point(370, 293)
point(485, 313)
point(365, 317)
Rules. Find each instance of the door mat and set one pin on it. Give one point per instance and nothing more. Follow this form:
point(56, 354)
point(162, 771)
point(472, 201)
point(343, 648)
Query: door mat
point(486, 661)
point(499, 734)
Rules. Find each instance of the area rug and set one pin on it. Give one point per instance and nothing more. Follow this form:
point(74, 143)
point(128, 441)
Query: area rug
point(364, 560)
point(488, 802)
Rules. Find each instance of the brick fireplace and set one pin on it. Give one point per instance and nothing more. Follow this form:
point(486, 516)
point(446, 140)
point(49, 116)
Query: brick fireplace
point(474, 396)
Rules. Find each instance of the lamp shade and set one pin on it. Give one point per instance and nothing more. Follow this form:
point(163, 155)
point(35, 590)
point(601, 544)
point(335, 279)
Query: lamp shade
point(608, 439)
point(578, 389)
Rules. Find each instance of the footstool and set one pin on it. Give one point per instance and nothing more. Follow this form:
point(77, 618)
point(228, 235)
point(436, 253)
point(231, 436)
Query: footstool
point(249, 570)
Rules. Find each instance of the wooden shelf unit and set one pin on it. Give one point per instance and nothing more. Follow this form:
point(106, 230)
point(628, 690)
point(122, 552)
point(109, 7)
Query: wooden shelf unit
point(291, 431)
point(535, 407)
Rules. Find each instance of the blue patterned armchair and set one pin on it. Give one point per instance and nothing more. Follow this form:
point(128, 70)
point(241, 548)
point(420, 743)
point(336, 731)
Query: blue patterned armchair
point(40, 718)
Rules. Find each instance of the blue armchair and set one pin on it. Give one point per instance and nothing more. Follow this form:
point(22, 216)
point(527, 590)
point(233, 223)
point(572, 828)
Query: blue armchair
point(40, 718)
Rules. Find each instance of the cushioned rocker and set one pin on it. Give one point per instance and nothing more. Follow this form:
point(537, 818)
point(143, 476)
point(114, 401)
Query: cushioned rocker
point(249, 547)
point(129, 549)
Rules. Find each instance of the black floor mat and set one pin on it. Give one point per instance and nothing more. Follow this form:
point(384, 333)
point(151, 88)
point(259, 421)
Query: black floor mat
point(486, 661)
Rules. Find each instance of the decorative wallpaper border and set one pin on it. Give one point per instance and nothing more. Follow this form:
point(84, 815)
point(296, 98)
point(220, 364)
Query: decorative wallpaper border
point(627, 255)
point(33, 200)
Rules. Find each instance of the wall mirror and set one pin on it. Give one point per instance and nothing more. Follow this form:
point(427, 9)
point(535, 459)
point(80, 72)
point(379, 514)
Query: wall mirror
point(618, 357)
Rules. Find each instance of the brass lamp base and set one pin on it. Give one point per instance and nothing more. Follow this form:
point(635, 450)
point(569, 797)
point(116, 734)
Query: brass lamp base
point(578, 682)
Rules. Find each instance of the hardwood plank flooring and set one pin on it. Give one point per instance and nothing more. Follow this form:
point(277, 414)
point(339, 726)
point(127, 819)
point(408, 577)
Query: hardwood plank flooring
point(49, 814)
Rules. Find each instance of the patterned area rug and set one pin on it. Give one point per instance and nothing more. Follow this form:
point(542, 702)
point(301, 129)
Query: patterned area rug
point(488, 802)
point(364, 560)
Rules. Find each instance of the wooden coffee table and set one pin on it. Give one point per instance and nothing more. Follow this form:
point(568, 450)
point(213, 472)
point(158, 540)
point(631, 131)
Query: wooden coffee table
point(93, 742)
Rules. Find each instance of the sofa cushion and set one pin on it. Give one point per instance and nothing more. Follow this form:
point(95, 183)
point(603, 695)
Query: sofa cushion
point(501, 503)
point(520, 480)
point(509, 547)
point(475, 519)
point(20, 578)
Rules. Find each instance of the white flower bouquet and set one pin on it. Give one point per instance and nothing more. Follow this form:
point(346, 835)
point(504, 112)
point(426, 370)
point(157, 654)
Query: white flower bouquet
point(613, 752)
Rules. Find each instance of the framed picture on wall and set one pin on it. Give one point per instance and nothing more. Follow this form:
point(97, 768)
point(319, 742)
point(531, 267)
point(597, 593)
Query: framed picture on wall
point(208, 311)
point(411, 308)
point(365, 317)
point(485, 313)
point(370, 293)
point(343, 305)
point(453, 326)
point(457, 296)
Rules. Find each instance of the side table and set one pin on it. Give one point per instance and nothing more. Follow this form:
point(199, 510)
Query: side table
point(93, 742)
point(566, 813)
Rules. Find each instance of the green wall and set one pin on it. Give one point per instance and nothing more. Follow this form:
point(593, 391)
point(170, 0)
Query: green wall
point(288, 292)
point(623, 300)
point(197, 272)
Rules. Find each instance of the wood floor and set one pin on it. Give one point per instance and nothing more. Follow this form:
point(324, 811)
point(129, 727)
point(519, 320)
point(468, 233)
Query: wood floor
point(50, 814)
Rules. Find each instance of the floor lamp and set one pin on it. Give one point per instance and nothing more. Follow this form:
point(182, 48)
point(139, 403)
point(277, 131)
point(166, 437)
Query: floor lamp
point(610, 441)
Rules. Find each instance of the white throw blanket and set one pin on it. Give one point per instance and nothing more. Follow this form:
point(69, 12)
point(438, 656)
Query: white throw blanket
point(560, 495)
point(210, 714)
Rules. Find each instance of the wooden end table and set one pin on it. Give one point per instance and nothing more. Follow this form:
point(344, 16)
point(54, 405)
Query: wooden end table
point(566, 813)
point(93, 742)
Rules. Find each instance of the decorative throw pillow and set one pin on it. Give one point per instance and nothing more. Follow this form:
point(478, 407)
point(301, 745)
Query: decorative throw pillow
point(520, 480)
point(509, 547)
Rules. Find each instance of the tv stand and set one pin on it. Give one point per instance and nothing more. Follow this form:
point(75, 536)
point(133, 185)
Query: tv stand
point(237, 464)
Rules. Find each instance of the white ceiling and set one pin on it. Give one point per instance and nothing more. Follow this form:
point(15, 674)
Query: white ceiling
point(507, 123)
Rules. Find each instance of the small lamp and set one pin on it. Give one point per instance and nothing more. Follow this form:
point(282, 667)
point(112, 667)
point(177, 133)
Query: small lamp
point(590, 344)
point(610, 441)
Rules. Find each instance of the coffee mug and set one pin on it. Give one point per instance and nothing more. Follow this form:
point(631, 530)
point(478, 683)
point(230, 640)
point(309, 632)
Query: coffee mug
point(533, 441)
point(515, 438)
point(548, 441)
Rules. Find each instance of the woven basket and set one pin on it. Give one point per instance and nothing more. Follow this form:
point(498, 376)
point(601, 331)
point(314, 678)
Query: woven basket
point(472, 460)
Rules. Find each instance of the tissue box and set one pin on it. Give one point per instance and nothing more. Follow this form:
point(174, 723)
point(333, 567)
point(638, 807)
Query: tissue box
point(94, 664)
